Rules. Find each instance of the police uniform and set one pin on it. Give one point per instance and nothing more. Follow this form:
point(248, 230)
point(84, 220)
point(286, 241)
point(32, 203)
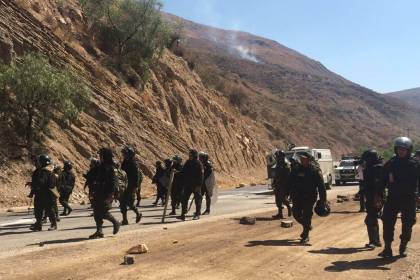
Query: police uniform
point(306, 184)
point(281, 186)
point(66, 182)
point(128, 200)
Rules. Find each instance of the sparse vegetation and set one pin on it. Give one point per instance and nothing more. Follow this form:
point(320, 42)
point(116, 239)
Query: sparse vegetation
point(132, 32)
point(33, 92)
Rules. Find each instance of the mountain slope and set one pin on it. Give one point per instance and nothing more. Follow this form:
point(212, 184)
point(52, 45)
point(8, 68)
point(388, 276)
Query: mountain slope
point(296, 99)
point(174, 113)
point(411, 96)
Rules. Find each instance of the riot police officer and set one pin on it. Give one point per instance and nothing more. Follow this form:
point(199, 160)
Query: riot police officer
point(177, 188)
point(281, 184)
point(134, 177)
point(374, 186)
point(306, 182)
point(66, 182)
point(106, 184)
point(402, 175)
point(42, 187)
point(192, 178)
point(206, 190)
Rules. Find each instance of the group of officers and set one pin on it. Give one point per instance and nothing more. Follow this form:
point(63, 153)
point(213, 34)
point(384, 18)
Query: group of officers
point(107, 181)
point(389, 188)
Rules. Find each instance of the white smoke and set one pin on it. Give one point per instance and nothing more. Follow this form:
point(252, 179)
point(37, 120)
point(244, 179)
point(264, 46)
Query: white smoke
point(245, 53)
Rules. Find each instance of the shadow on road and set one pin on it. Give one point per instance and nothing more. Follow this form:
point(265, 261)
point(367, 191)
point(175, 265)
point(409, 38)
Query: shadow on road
point(285, 242)
point(14, 232)
point(340, 251)
point(367, 264)
point(60, 241)
point(345, 212)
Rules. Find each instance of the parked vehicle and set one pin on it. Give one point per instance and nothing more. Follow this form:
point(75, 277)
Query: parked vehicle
point(347, 171)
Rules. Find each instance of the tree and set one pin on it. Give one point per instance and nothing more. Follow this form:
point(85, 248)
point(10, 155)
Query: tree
point(33, 92)
point(131, 31)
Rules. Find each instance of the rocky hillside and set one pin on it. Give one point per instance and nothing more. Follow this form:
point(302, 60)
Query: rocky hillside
point(294, 98)
point(174, 112)
point(411, 96)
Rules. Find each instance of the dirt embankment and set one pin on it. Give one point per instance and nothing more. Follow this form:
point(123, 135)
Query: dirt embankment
point(225, 250)
point(174, 112)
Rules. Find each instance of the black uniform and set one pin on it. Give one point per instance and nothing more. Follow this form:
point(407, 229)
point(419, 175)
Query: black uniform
point(177, 188)
point(66, 182)
point(306, 183)
point(128, 198)
point(102, 196)
point(161, 190)
point(208, 170)
point(281, 186)
point(402, 176)
point(192, 178)
point(374, 186)
point(41, 187)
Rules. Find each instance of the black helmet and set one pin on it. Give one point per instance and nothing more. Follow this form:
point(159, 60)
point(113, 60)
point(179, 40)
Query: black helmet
point(403, 142)
point(94, 162)
point(68, 165)
point(158, 163)
point(194, 154)
point(107, 155)
point(177, 159)
point(168, 163)
point(370, 155)
point(57, 169)
point(128, 151)
point(44, 160)
point(322, 209)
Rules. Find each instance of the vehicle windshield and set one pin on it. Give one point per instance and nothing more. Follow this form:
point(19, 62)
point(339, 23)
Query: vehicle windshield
point(347, 163)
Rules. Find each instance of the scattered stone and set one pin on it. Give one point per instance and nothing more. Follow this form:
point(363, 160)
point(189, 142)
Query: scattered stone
point(41, 244)
point(139, 249)
point(10, 210)
point(175, 242)
point(128, 260)
point(287, 224)
point(345, 199)
point(241, 185)
point(165, 228)
point(342, 196)
point(83, 202)
point(253, 185)
point(339, 200)
point(248, 220)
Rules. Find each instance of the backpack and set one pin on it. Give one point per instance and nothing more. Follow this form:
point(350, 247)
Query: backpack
point(122, 182)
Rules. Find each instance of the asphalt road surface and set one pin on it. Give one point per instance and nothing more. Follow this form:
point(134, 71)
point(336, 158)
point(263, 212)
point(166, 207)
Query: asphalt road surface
point(16, 237)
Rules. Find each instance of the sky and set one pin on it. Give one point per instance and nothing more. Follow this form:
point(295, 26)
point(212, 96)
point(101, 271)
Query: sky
point(375, 43)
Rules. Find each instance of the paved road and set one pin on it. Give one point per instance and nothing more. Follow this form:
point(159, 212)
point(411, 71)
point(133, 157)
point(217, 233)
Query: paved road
point(15, 235)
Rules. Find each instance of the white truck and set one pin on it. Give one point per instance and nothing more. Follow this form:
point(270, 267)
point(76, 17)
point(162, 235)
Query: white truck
point(347, 170)
point(322, 156)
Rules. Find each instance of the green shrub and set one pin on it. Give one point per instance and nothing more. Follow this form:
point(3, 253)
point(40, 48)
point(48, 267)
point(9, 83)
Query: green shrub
point(33, 92)
point(130, 31)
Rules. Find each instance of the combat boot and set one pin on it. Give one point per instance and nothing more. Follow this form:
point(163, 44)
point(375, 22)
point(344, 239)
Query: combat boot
point(124, 221)
point(52, 227)
point(138, 217)
point(115, 224)
point(182, 217)
point(64, 213)
point(69, 210)
point(98, 233)
point(207, 212)
point(36, 227)
point(370, 244)
point(278, 216)
point(289, 211)
point(387, 252)
point(403, 249)
point(196, 216)
point(173, 212)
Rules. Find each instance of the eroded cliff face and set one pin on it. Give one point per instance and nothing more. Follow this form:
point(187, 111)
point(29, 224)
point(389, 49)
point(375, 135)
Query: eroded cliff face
point(174, 113)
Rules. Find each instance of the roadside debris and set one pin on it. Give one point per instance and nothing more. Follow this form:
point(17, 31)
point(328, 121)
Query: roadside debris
point(248, 220)
point(241, 185)
point(128, 260)
point(287, 224)
point(139, 249)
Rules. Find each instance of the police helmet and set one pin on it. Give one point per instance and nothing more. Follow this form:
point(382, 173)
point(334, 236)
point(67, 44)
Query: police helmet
point(44, 160)
point(403, 142)
point(322, 209)
point(68, 165)
point(193, 153)
point(128, 151)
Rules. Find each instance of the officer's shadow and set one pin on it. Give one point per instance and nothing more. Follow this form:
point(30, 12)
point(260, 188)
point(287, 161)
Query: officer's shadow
point(281, 243)
point(340, 251)
point(366, 264)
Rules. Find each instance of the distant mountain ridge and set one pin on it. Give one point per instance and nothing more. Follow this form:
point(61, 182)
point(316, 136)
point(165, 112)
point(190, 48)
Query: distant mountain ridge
point(411, 96)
